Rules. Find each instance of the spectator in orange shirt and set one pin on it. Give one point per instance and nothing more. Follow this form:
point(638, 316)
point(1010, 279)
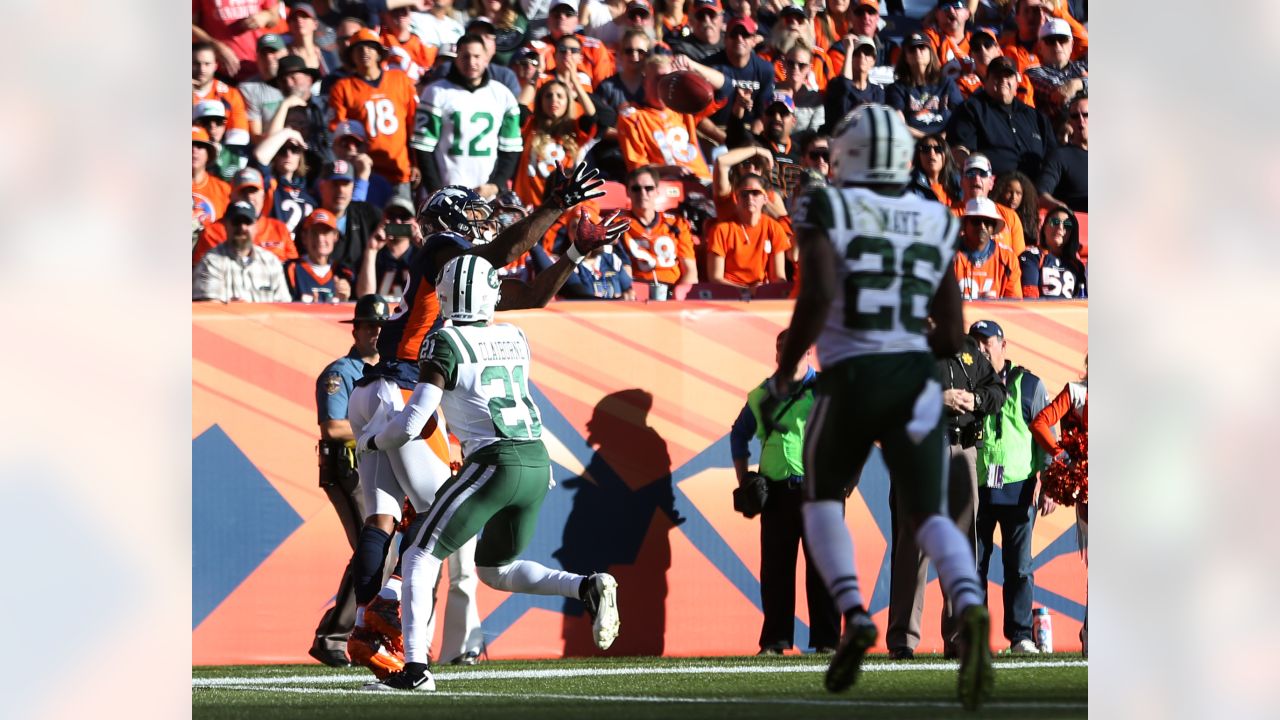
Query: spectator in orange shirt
point(269, 233)
point(984, 268)
point(830, 22)
point(748, 160)
point(209, 194)
point(794, 27)
point(204, 86)
point(977, 182)
point(1030, 16)
point(948, 36)
point(552, 138)
point(562, 20)
point(750, 248)
point(397, 32)
point(654, 134)
point(660, 244)
point(384, 101)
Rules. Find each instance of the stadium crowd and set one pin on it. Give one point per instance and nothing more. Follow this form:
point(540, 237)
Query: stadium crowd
point(318, 128)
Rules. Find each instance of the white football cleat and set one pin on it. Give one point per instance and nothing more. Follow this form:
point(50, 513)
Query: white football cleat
point(602, 603)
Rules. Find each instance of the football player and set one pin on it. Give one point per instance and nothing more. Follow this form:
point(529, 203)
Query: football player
point(479, 372)
point(458, 223)
point(877, 265)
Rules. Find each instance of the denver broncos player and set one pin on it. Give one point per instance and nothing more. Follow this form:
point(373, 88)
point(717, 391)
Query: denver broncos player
point(461, 220)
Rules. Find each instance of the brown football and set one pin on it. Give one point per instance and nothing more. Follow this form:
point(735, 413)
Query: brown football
point(686, 92)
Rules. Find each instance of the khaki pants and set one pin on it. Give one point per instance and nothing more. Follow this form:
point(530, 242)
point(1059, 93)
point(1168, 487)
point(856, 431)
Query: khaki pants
point(908, 566)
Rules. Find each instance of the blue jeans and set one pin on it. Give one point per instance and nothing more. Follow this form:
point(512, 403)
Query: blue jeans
point(1016, 523)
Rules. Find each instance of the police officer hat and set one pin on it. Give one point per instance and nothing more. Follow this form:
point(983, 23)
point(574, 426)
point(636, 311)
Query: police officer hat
point(984, 329)
point(371, 309)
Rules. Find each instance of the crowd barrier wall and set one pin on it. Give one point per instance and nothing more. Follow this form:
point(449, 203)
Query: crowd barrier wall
point(637, 400)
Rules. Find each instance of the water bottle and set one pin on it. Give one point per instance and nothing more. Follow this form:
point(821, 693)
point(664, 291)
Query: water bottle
point(1042, 628)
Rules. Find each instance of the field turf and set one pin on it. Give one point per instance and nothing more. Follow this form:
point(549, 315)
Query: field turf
point(625, 688)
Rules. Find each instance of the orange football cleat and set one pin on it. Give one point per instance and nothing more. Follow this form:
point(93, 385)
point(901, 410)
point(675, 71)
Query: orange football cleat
point(382, 616)
point(369, 649)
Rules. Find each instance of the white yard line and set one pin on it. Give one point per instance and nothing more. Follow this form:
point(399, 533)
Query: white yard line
point(338, 679)
point(661, 700)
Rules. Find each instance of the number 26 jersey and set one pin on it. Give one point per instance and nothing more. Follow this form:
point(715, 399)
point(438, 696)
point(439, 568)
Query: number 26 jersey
point(486, 370)
point(892, 253)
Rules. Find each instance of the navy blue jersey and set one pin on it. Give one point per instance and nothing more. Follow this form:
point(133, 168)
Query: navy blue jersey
point(304, 281)
point(419, 311)
point(391, 274)
point(291, 202)
point(1046, 276)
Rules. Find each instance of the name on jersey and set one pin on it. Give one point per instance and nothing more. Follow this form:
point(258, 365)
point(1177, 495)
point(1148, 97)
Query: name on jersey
point(900, 222)
point(502, 350)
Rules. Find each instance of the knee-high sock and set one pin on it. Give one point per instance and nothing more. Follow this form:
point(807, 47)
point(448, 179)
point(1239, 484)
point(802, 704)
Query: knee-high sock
point(526, 576)
point(370, 556)
point(832, 551)
point(949, 551)
point(422, 570)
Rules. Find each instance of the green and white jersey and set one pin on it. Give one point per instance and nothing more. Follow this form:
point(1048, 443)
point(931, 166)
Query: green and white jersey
point(468, 128)
point(894, 252)
point(486, 397)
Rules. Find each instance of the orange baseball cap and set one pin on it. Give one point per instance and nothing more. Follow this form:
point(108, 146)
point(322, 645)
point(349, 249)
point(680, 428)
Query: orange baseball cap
point(363, 36)
point(872, 3)
point(247, 177)
point(200, 135)
point(320, 216)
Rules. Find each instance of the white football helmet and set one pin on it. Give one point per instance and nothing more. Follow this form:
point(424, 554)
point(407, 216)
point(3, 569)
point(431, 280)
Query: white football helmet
point(468, 289)
point(871, 146)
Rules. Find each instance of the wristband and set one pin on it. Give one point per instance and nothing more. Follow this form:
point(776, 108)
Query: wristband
point(575, 256)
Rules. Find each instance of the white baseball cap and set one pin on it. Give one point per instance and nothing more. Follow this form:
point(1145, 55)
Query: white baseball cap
point(208, 108)
point(984, 208)
point(978, 160)
point(1055, 26)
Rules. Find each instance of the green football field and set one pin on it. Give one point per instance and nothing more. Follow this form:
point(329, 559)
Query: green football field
point(623, 688)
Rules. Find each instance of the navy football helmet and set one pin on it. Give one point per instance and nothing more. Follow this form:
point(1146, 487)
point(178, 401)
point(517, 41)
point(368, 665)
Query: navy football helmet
point(458, 209)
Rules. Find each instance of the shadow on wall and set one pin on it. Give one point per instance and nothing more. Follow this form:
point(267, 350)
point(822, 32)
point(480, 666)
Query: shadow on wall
point(621, 513)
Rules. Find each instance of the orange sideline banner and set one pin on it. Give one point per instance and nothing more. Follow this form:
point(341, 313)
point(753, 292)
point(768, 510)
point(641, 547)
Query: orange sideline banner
point(637, 401)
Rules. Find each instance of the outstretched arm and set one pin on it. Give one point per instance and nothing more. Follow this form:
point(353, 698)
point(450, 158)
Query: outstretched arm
point(564, 191)
point(588, 238)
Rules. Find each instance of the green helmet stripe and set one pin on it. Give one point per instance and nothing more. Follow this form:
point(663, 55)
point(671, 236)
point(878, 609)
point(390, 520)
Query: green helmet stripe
point(457, 287)
point(470, 274)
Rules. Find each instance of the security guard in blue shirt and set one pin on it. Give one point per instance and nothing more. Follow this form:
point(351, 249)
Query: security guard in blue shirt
point(338, 475)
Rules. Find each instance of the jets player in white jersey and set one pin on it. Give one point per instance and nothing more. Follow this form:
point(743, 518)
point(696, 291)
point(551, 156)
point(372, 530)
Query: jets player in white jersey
point(877, 265)
point(478, 372)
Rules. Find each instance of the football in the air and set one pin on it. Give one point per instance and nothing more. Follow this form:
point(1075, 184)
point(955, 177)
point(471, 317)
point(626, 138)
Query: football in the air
point(686, 92)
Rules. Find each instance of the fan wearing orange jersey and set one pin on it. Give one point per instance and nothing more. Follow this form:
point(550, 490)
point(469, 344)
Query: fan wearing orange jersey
point(552, 137)
point(748, 249)
point(209, 194)
point(270, 234)
point(794, 28)
point(384, 101)
point(830, 23)
point(985, 269)
point(562, 20)
point(397, 32)
point(654, 134)
point(752, 160)
point(976, 182)
point(204, 86)
point(660, 244)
